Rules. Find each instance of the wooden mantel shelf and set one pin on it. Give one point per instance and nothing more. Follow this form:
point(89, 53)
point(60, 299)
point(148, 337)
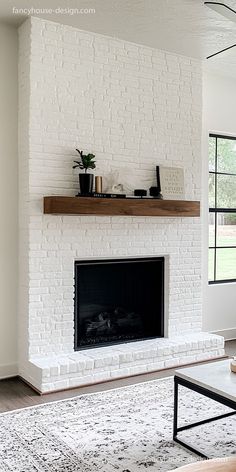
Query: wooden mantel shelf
point(59, 205)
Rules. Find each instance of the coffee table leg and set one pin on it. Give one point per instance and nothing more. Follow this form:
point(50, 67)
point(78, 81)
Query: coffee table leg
point(176, 429)
point(176, 394)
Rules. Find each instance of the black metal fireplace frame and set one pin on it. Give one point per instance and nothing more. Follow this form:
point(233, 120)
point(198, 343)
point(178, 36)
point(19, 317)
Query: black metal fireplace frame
point(78, 263)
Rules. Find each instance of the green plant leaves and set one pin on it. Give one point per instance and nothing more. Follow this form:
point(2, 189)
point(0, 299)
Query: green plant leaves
point(87, 161)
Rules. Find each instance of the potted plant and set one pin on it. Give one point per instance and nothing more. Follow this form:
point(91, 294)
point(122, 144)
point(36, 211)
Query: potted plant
point(86, 179)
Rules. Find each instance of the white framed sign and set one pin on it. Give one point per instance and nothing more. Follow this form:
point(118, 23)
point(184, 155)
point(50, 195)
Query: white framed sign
point(172, 182)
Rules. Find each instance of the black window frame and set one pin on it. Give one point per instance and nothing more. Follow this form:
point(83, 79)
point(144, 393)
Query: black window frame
point(216, 210)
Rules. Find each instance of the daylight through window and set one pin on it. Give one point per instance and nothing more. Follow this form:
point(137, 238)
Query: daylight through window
point(222, 208)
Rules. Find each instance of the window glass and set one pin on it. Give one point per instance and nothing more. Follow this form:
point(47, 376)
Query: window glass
point(226, 191)
point(211, 264)
point(211, 229)
point(225, 264)
point(212, 153)
point(222, 209)
point(226, 229)
point(211, 190)
point(226, 155)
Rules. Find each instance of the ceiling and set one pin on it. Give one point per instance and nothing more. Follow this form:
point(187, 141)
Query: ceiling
point(185, 27)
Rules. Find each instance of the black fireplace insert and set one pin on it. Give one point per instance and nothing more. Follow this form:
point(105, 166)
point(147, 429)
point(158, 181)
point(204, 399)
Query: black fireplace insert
point(118, 300)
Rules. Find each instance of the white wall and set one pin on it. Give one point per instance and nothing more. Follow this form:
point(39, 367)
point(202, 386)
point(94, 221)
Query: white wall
point(219, 115)
point(8, 200)
point(134, 107)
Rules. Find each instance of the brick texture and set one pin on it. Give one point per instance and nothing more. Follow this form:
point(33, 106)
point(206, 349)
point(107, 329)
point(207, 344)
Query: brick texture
point(134, 107)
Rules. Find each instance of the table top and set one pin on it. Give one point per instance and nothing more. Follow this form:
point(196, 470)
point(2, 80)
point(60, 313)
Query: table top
point(213, 376)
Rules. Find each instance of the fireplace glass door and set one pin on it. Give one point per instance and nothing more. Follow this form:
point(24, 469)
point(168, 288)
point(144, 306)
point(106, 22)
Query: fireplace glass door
point(118, 301)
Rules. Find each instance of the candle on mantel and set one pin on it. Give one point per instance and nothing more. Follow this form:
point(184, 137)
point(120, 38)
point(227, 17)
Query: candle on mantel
point(98, 184)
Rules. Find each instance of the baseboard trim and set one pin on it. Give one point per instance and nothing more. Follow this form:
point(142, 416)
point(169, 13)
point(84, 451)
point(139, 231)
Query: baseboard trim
point(228, 334)
point(8, 370)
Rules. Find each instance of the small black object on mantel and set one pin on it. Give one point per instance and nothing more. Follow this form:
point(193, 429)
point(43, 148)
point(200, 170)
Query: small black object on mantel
point(140, 192)
point(158, 178)
point(155, 193)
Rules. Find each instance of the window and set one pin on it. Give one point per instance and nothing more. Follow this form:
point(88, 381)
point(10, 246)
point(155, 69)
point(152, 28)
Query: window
point(222, 209)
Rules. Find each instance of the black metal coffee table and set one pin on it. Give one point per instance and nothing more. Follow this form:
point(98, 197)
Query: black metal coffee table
point(213, 380)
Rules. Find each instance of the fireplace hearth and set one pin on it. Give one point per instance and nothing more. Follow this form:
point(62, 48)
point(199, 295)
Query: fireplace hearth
point(118, 300)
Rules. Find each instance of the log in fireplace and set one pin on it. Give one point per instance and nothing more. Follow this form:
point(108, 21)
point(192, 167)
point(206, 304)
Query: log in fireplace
point(118, 300)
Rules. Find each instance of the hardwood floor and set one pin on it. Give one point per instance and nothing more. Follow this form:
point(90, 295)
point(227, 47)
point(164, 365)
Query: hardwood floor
point(14, 393)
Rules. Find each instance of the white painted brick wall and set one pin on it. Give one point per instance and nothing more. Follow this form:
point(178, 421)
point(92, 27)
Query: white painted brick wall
point(134, 107)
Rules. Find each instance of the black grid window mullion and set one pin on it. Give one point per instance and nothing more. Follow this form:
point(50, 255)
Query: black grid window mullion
point(216, 215)
point(222, 173)
point(217, 210)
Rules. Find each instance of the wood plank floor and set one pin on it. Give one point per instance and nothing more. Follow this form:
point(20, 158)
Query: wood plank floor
point(14, 393)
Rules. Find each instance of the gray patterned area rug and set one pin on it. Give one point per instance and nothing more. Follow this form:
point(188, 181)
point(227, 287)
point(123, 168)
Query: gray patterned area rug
point(124, 430)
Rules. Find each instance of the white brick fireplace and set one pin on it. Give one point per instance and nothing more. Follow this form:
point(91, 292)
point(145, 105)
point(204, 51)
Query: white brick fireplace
point(134, 107)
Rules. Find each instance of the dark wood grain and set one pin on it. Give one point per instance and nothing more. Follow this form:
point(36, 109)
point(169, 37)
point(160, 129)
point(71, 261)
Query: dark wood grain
point(59, 205)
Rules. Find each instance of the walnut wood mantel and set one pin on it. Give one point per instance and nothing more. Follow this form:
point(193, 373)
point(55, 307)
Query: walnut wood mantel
point(59, 205)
